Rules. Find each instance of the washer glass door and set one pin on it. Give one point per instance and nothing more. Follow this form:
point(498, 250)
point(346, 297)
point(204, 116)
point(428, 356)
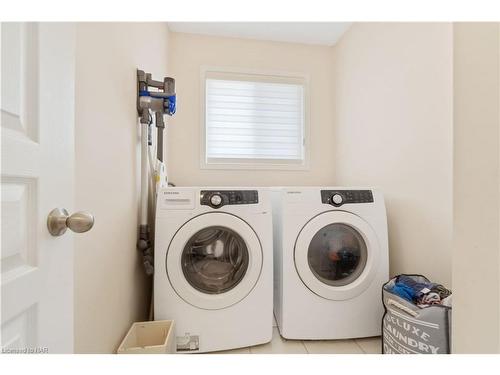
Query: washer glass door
point(214, 260)
point(337, 255)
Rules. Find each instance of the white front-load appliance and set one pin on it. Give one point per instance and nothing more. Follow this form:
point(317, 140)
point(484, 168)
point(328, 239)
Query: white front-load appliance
point(331, 260)
point(213, 266)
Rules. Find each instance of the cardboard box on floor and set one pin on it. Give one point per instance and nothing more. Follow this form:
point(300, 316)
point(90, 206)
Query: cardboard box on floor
point(155, 337)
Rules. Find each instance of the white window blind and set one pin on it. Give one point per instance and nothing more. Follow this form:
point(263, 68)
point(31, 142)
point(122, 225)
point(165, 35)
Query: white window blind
point(257, 122)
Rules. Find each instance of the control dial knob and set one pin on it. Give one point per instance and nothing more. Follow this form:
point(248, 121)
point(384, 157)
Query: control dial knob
point(216, 200)
point(337, 199)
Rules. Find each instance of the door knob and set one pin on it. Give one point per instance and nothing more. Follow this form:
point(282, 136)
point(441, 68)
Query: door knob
point(59, 220)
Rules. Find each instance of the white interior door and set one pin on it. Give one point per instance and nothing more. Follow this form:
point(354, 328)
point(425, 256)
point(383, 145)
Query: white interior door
point(37, 121)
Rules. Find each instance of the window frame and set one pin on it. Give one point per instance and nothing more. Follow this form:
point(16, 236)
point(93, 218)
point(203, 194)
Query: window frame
point(253, 164)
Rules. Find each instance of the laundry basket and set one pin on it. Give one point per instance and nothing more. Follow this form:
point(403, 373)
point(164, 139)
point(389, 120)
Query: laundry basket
point(156, 337)
point(410, 329)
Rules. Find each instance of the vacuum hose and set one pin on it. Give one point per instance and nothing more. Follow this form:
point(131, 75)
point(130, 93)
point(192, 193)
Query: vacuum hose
point(144, 241)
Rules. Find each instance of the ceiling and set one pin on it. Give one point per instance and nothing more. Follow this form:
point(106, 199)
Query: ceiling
point(323, 33)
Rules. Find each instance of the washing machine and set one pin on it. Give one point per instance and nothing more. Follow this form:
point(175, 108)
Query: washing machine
point(213, 266)
point(330, 261)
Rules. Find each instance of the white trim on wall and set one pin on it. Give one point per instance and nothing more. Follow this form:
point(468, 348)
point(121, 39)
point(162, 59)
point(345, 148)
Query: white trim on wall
point(266, 164)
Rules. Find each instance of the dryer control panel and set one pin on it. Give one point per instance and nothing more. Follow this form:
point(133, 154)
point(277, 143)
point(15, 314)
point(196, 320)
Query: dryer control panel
point(339, 197)
point(219, 198)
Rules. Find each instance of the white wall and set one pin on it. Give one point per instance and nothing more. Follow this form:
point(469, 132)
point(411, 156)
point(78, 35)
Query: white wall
point(189, 52)
point(392, 103)
point(111, 289)
point(476, 309)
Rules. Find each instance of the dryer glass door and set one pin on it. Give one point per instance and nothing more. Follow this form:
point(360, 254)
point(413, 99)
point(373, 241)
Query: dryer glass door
point(337, 255)
point(215, 260)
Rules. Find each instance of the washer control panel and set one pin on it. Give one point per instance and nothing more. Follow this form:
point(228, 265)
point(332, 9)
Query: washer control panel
point(219, 198)
point(339, 197)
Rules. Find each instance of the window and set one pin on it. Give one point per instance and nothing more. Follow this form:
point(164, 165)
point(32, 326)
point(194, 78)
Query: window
point(255, 121)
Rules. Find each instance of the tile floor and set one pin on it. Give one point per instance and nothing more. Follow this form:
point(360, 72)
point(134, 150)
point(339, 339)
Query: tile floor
point(279, 345)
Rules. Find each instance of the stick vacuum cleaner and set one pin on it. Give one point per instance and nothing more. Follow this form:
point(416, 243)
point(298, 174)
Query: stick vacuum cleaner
point(154, 98)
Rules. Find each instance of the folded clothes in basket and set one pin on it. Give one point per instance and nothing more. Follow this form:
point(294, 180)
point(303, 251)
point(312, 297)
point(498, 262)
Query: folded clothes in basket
point(421, 293)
